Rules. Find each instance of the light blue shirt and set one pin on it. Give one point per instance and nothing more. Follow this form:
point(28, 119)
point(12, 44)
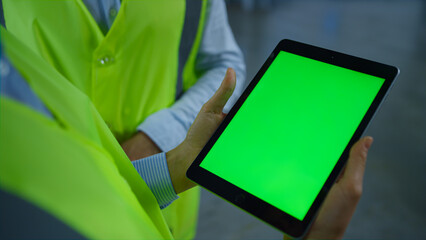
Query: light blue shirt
point(168, 127)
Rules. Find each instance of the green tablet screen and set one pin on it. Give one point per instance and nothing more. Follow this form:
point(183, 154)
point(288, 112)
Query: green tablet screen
point(286, 138)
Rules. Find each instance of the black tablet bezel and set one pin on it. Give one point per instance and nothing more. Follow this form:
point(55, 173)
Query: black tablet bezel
point(256, 206)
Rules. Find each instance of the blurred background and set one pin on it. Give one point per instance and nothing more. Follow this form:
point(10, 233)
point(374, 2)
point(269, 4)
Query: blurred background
point(393, 204)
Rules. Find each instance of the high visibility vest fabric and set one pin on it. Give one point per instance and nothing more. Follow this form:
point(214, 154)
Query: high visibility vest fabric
point(71, 166)
point(128, 74)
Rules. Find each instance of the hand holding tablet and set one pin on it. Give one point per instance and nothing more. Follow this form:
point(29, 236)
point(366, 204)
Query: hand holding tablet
point(340, 203)
point(207, 121)
point(282, 146)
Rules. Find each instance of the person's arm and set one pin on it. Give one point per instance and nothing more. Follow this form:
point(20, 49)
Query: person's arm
point(165, 173)
point(164, 130)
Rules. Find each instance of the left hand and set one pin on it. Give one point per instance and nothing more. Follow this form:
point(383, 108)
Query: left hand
point(140, 146)
point(203, 127)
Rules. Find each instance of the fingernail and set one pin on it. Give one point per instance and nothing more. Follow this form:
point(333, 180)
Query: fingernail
point(368, 141)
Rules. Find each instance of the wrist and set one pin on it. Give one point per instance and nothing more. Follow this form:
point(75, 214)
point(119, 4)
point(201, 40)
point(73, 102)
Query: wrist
point(178, 161)
point(140, 146)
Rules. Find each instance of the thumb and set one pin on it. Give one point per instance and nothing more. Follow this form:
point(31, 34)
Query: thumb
point(216, 103)
point(357, 159)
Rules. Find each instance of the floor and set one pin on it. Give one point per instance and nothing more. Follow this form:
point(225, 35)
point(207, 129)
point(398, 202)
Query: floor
point(394, 32)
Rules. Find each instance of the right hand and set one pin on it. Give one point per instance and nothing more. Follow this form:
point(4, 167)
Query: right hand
point(340, 203)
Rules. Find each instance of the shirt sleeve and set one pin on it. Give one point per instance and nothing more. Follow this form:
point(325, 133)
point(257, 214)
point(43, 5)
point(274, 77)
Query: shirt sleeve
point(155, 172)
point(218, 51)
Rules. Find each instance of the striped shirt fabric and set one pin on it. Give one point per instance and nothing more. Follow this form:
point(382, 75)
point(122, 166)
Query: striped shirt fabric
point(155, 173)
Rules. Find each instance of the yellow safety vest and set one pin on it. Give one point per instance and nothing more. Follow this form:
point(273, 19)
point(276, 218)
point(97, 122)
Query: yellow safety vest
point(71, 166)
point(128, 74)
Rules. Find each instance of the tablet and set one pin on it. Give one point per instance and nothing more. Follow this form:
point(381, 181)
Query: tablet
point(285, 141)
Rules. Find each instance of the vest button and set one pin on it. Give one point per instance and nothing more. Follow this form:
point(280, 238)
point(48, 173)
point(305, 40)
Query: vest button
point(105, 60)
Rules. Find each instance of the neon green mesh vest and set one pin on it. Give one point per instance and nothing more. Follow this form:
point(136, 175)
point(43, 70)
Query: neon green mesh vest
point(71, 166)
point(129, 73)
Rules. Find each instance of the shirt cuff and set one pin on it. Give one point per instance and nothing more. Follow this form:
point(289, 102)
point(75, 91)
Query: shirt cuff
point(155, 172)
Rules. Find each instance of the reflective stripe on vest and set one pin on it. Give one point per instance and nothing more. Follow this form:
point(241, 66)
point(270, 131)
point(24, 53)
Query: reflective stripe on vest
point(71, 167)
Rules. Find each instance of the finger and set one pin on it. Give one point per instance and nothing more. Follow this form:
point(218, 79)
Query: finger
point(222, 94)
point(355, 167)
